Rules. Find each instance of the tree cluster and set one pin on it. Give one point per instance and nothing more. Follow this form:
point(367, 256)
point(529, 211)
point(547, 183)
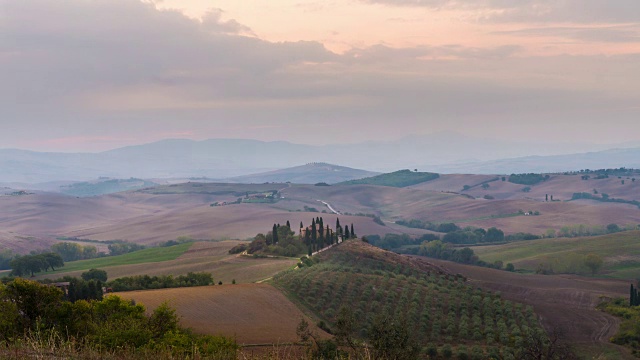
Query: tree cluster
point(144, 282)
point(123, 247)
point(527, 179)
point(397, 241)
point(31, 264)
point(72, 251)
point(471, 235)
point(426, 225)
point(282, 241)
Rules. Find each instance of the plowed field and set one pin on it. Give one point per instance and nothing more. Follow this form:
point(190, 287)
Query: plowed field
point(252, 313)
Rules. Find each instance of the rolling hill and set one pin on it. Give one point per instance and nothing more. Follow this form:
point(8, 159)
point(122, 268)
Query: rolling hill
point(401, 178)
point(157, 214)
point(620, 252)
point(429, 304)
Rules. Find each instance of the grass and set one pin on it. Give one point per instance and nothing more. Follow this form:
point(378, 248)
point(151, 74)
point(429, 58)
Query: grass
point(203, 256)
point(400, 178)
point(620, 252)
point(158, 254)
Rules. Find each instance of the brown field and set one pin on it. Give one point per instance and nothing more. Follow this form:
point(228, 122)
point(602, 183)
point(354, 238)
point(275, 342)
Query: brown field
point(252, 313)
point(561, 187)
point(35, 221)
point(565, 303)
point(393, 204)
point(210, 257)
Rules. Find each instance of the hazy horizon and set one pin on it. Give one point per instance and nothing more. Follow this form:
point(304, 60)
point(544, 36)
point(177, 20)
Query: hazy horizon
point(88, 76)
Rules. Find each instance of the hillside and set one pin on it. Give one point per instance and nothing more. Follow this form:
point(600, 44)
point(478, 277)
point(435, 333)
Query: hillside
point(620, 252)
point(562, 187)
point(611, 158)
point(564, 303)
point(104, 186)
point(401, 178)
point(311, 173)
point(432, 305)
point(161, 213)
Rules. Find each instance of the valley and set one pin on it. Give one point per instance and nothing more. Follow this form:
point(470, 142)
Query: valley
point(211, 218)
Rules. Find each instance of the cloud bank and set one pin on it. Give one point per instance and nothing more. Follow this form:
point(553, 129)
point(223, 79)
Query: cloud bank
point(117, 72)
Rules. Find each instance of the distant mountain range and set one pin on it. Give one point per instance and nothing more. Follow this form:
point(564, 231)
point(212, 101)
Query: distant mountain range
point(228, 158)
point(615, 158)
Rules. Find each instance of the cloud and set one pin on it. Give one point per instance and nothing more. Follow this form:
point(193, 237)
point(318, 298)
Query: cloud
point(610, 34)
point(212, 21)
point(75, 69)
point(587, 11)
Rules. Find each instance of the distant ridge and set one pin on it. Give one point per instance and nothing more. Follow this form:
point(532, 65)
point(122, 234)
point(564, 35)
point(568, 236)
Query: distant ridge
point(401, 178)
point(608, 159)
point(226, 158)
point(311, 173)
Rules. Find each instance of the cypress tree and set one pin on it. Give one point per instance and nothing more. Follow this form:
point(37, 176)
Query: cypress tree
point(346, 233)
point(320, 235)
point(631, 295)
point(337, 224)
point(353, 233)
point(314, 236)
point(275, 234)
point(288, 224)
point(307, 238)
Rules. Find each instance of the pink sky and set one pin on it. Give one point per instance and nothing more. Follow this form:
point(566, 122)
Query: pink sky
point(347, 24)
point(93, 75)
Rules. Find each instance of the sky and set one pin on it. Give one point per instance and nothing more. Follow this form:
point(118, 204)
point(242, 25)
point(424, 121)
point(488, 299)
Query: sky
point(91, 75)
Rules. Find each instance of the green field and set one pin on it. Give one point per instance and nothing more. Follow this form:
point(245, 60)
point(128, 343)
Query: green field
point(151, 255)
point(400, 178)
point(620, 252)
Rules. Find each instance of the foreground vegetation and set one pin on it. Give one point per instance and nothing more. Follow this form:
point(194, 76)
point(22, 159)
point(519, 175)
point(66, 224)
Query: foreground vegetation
point(629, 311)
point(34, 317)
point(441, 314)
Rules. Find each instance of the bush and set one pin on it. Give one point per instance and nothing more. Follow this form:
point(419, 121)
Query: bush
point(94, 274)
